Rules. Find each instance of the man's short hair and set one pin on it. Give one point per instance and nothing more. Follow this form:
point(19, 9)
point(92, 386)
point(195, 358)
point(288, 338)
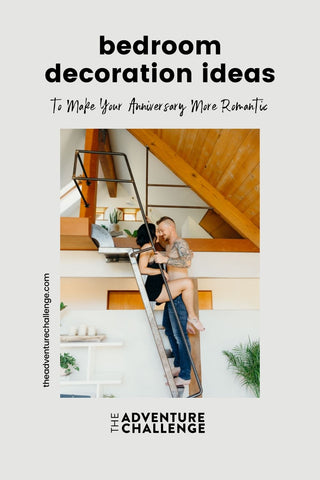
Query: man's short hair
point(165, 219)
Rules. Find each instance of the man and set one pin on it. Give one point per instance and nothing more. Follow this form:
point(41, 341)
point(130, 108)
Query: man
point(177, 257)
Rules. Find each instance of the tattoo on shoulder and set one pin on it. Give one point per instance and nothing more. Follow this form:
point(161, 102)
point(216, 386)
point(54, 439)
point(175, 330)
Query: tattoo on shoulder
point(181, 254)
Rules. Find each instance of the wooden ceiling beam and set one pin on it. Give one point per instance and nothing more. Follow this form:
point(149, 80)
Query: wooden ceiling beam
point(107, 162)
point(217, 227)
point(198, 184)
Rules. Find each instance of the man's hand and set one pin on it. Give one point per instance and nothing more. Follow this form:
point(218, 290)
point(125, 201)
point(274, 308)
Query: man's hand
point(160, 258)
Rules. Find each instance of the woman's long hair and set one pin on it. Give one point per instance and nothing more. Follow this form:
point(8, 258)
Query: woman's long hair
point(142, 234)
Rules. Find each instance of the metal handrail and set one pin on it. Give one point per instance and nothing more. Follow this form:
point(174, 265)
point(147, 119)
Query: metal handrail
point(132, 181)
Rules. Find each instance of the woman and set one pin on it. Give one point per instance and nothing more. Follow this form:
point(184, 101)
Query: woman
point(155, 286)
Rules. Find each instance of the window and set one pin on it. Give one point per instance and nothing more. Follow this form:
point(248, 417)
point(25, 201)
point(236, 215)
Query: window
point(130, 214)
point(131, 300)
point(100, 213)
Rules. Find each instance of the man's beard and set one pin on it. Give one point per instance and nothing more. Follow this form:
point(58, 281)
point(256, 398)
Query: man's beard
point(164, 239)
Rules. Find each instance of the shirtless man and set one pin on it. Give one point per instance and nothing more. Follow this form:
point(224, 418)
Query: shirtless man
point(177, 257)
point(178, 254)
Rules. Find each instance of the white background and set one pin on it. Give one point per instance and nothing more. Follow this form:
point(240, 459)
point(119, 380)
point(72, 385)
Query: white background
point(273, 437)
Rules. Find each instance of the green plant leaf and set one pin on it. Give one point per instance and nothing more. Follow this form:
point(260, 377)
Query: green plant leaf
point(114, 216)
point(67, 361)
point(244, 360)
point(134, 234)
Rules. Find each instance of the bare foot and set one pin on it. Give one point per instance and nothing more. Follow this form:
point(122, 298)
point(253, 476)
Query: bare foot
point(196, 323)
point(190, 329)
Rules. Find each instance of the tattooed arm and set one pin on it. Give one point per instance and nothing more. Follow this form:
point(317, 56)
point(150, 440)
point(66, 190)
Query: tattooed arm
point(179, 256)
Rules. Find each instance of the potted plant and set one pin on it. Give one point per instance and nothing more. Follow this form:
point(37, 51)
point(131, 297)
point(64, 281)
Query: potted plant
point(244, 360)
point(114, 220)
point(67, 363)
point(133, 234)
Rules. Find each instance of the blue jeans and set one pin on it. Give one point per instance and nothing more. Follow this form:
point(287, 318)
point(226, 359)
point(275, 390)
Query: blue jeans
point(169, 321)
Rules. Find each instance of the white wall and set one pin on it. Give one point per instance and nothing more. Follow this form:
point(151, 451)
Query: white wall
point(70, 140)
point(204, 264)
point(224, 330)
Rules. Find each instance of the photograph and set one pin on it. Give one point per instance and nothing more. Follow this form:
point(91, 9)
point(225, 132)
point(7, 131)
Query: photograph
point(143, 211)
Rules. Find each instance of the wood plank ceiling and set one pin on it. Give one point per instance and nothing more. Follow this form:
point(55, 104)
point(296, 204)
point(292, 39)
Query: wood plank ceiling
point(222, 166)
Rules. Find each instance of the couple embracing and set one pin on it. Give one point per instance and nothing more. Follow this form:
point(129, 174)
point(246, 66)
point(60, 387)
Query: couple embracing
point(177, 259)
